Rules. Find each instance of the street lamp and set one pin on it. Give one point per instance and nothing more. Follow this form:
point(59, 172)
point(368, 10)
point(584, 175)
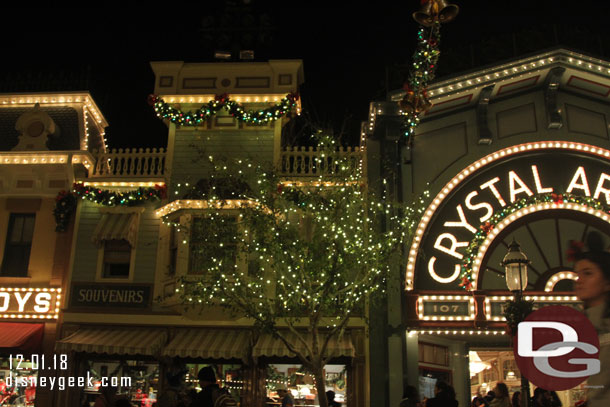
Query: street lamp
point(515, 268)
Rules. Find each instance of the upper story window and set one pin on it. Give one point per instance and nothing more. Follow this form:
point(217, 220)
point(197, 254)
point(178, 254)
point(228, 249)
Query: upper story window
point(116, 236)
point(18, 245)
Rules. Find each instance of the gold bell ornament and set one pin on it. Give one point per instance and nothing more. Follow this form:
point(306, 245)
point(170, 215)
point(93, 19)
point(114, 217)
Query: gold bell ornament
point(432, 11)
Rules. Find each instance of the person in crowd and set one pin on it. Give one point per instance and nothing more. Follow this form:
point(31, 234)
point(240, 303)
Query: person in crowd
point(478, 401)
point(444, 396)
point(517, 399)
point(107, 397)
point(542, 398)
point(410, 397)
point(592, 268)
point(555, 401)
point(330, 397)
point(122, 402)
point(174, 395)
point(285, 396)
point(489, 396)
point(207, 381)
point(502, 398)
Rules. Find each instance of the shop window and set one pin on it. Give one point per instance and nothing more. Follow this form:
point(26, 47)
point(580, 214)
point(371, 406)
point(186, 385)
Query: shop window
point(18, 245)
point(22, 372)
point(229, 376)
point(213, 244)
point(135, 380)
point(510, 370)
point(117, 259)
point(433, 354)
point(301, 384)
point(173, 251)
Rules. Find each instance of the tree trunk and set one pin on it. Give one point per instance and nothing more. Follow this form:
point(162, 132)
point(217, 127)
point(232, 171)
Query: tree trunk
point(318, 374)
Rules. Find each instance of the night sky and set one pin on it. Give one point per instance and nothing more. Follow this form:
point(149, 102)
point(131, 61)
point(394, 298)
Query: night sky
point(352, 54)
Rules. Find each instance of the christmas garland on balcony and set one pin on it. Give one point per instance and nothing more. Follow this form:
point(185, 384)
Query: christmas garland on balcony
point(263, 116)
point(65, 202)
point(466, 276)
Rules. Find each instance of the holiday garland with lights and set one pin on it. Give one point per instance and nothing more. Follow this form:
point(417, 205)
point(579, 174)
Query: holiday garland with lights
point(262, 116)
point(466, 276)
point(421, 73)
point(65, 202)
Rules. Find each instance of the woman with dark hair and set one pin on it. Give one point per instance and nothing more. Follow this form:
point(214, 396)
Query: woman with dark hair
point(502, 398)
point(541, 398)
point(516, 399)
point(593, 288)
point(444, 396)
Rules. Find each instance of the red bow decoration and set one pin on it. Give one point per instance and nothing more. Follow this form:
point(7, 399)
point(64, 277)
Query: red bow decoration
point(466, 283)
point(152, 99)
point(574, 250)
point(280, 188)
point(162, 190)
point(487, 227)
point(557, 198)
point(222, 98)
point(294, 96)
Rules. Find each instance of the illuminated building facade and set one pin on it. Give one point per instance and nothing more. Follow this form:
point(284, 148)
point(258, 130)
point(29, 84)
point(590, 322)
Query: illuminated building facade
point(516, 150)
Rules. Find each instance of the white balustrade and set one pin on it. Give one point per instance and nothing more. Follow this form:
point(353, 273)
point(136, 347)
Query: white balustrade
point(310, 162)
point(137, 162)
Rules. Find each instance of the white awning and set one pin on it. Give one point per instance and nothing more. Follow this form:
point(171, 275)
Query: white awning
point(117, 226)
point(267, 345)
point(124, 341)
point(209, 344)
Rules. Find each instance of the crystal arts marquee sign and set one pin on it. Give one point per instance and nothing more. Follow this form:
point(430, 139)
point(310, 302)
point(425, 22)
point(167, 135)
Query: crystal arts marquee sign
point(492, 184)
point(29, 303)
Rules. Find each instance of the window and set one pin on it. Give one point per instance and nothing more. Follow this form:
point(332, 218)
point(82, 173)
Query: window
point(213, 243)
point(117, 259)
point(18, 245)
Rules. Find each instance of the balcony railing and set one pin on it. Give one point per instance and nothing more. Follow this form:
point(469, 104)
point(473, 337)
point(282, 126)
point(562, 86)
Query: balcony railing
point(310, 162)
point(132, 163)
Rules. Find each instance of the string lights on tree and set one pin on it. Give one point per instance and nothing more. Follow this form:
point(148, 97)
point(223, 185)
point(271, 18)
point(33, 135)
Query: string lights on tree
point(307, 256)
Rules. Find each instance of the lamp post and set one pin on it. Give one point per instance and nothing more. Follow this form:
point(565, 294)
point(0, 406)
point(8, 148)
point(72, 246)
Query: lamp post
point(515, 267)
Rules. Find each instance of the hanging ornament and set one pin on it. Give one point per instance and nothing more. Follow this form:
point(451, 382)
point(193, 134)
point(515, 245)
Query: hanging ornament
point(435, 11)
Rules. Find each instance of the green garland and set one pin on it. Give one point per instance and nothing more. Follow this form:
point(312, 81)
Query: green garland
point(165, 111)
point(466, 277)
point(421, 73)
point(65, 202)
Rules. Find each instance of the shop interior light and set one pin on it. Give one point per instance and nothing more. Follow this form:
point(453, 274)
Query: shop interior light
point(476, 364)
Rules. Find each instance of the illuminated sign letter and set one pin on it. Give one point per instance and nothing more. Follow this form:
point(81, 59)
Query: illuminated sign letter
point(22, 300)
point(584, 185)
point(43, 302)
point(512, 179)
point(5, 299)
point(444, 280)
point(454, 245)
point(600, 187)
point(490, 184)
point(482, 205)
point(462, 223)
point(539, 188)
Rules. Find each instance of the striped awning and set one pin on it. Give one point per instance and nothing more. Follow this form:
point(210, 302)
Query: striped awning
point(267, 345)
point(136, 341)
point(20, 338)
point(117, 226)
point(209, 344)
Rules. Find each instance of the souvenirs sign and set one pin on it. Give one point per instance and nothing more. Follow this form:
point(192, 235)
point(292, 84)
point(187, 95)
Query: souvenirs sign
point(110, 295)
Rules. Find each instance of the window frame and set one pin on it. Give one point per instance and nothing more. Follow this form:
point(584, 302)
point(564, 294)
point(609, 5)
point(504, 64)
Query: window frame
point(8, 244)
point(99, 274)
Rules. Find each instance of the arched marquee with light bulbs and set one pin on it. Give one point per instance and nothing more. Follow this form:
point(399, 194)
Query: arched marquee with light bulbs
point(543, 194)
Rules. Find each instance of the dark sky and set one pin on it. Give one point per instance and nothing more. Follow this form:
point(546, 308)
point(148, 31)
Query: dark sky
point(352, 54)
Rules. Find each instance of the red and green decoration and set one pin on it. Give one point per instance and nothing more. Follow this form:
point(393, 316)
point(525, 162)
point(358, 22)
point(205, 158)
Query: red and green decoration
point(65, 202)
point(466, 277)
point(262, 116)
point(431, 15)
